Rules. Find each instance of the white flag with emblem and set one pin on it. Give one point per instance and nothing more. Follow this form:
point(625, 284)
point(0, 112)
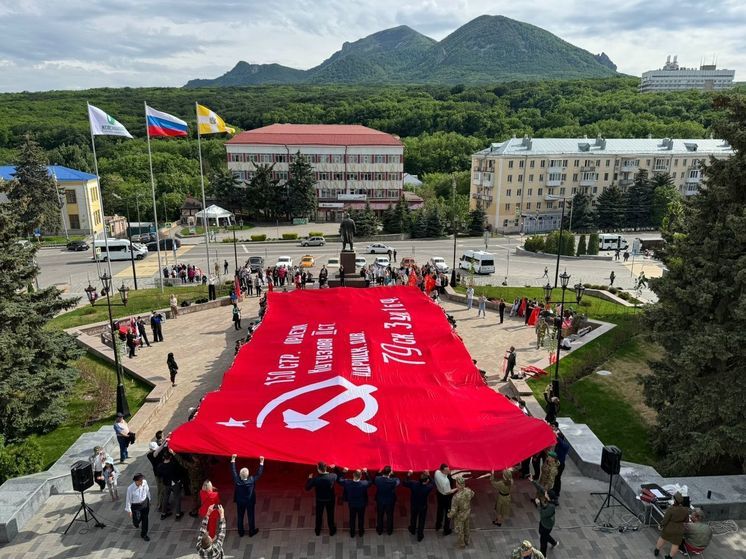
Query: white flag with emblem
point(103, 124)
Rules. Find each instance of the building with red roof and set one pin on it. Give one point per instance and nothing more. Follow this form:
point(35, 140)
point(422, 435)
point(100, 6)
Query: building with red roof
point(354, 164)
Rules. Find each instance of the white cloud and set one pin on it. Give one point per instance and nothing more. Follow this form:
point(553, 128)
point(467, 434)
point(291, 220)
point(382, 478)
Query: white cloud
point(48, 44)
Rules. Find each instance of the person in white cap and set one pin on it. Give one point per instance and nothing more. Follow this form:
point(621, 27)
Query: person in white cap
point(155, 458)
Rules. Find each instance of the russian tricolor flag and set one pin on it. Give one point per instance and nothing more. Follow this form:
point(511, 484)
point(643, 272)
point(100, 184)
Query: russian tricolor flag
point(164, 124)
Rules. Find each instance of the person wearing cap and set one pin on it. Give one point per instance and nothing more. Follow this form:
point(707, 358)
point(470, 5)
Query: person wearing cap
point(503, 487)
point(323, 483)
point(672, 526)
point(420, 491)
point(526, 551)
point(444, 495)
point(155, 457)
point(137, 504)
point(123, 436)
point(547, 476)
point(461, 512)
point(547, 512)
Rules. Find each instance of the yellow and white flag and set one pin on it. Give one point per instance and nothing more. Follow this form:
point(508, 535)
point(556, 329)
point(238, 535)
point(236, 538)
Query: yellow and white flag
point(211, 123)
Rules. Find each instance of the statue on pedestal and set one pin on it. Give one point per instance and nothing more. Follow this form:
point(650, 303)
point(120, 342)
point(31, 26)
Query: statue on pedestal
point(347, 231)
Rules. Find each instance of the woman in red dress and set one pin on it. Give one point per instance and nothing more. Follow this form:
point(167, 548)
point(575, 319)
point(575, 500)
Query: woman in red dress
point(209, 496)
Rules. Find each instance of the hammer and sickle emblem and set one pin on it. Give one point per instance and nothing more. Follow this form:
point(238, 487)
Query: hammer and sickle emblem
point(312, 421)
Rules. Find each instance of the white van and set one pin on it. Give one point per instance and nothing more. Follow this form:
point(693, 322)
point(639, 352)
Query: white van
point(119, 249)
point(610, 241)
point(480, 261)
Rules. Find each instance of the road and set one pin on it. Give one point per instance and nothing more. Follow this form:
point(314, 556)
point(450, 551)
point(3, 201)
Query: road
point(71, 271)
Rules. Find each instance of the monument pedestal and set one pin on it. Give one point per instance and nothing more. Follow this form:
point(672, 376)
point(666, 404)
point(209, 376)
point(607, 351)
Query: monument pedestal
point(352, 278)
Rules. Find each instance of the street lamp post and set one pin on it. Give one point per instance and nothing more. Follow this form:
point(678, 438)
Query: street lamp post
point(453, 223)
point(122, 405)
point(563, 200)
point(579, 290)
point(235, 252)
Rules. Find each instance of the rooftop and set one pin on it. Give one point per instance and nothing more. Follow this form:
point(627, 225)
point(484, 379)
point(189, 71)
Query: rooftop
point(315, 135)
point(599, 146)
point(62, 174)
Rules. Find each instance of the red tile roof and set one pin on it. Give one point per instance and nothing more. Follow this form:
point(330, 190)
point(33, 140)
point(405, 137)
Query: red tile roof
point(316, 135)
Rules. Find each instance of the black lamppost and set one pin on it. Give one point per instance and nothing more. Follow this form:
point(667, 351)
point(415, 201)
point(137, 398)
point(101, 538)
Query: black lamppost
point(453, 223)
point(124, 294)
point(122, 406)
point(129, 237)
point(92, 294)
point(235, 253)
point(579, 290)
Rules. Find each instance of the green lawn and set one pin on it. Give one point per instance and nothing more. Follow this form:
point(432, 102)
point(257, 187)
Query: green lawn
point(187, 231)
point(55, 240)
point(607, 405)
point(141, 301)
point(91, 405)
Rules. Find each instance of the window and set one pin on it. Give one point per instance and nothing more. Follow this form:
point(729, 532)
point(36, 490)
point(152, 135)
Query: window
point(574, 177)
point(531, 163)
point(510, 178)
point(541, 178)
point(540, 192)
point(538, 205)
point(337, 158)
point(351, 176)
point(281, 158)
point(542, 163)
point(528, 205)
point(510, 164)
point(606, 176)
point(530, 191)
point(507, 206)
point(647, 162)
point(574, 190)
point(508, 192)
point(550, 205)
point(94, 194)
point(598, 162)
point(520, 164)
point(564, 176)
point(70, 198)
point(577, 162)
point(562, 190)
point(530, 178)
point(97, 217)
point(74, 221)
point(675, 162)
point(595, 189)
point(338, 176)
point(608, 162)
point(554, 176)
point(555, 163)
point(520, 178)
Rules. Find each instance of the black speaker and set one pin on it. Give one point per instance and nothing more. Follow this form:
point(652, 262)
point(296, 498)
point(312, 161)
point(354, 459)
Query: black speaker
point(82, 474)
point(611, 459)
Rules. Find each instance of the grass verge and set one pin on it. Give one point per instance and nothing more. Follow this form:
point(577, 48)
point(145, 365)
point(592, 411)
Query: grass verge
point(141, 301)
point(91, 405)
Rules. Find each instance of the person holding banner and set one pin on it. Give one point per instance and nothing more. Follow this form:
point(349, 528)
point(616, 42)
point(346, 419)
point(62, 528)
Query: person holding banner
point(323, 483)
point(420, 492)
point(385, 499)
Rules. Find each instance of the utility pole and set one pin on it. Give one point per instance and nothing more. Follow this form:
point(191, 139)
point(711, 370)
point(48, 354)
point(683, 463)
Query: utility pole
point(453, 223)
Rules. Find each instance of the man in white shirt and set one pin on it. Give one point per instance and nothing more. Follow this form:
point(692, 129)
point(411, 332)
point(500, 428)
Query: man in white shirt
point(444, 495)
point(137, 504)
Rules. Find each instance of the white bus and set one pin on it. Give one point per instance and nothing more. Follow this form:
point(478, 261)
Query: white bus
point(480, 261)
point(609, 241)
point(119, 249)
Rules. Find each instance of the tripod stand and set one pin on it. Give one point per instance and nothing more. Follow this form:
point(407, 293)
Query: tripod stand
point(86, 510)
point(608, 500)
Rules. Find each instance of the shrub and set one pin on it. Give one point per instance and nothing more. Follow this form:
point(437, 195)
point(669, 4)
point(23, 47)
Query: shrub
point(623, 295)
point(315, 234)
point(582, 249)
point(259, 237)
point(592, 244)
point(229, 240)
point(289, 236)
point(568, 243)
point(534, 243)
point(20, 459)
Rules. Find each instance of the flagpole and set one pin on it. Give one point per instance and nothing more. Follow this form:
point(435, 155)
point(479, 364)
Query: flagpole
point(103, 213)
point(155, 210)
point(205, 219)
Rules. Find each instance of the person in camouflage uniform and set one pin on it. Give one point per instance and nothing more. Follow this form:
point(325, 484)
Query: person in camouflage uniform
point(547, 475)
point(526, 551)
point(460, 511)
point(502, 502)
point(196, 473)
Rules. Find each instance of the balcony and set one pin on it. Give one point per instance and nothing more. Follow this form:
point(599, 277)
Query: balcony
point(630, 166)
point(626, 182)
point(487, 183)
point(556, 169)
point(554, 182)
point(588, 182)
point(482, 197)
point(477, 176)
point(588, 169)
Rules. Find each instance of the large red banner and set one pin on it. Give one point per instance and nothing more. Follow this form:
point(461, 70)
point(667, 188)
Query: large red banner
point(360, 378)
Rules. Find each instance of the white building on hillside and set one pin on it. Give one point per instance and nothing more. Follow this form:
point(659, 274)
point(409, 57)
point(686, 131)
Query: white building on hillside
point(673, 78)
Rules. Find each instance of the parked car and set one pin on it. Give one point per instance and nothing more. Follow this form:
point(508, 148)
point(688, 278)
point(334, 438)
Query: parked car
point(382, 261)
point(313, 242)
point(284, 261)
point(144, 238)
point(332, 262)
point(360, 262)
point(307, 261)
point(78, 246)
point(255, 263)
point(439, 263)
point(166, 244)
point(378, 248)
point(407, 261)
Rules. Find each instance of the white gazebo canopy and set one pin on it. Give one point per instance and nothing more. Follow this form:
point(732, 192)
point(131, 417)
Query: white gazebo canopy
point(214, 212)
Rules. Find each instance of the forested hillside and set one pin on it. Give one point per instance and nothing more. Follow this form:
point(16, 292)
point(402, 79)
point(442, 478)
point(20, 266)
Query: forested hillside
point(440, 126)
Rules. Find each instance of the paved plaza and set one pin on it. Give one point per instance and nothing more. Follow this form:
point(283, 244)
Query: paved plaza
point(203, 345)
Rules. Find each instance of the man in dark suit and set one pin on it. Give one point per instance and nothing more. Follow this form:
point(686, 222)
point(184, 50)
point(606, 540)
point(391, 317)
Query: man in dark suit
point(420, 491)
point(356, 494)
point(325, 497)
point(501, 307)
point(510, 365)
point(245, 494)
point(385, 499)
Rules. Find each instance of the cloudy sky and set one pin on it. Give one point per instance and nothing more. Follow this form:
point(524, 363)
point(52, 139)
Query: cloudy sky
point(74, 44)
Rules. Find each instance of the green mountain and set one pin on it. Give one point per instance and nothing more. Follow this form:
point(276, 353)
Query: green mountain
point(485, 50)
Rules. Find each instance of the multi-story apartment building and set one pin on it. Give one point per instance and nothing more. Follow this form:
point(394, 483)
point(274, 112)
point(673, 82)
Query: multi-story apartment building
point(79, 198)
point(521, 183)
point(354, 165)
point(673, 78)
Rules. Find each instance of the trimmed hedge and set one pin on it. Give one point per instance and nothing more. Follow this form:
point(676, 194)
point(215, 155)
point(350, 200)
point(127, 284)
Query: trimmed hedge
point(534, 244)
point(289, 236)
point(259, 237)
point(315, 234)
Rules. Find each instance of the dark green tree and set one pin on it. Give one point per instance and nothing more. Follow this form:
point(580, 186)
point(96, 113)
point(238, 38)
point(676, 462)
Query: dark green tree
point(366, 222)
point(418, 227)
point(592, 244)
point(20, 459)
point(229, 191)
point(664, 194)
point(33, 191)
point(35, 374)
point(567, 246)
point(701, 375)
point(637, 202)
point(583, 215)
point(73, 156)
point(301, 187)
point(397, 218)
point(477, 219)
point(610, 209)
point(265, 196)
point(582, 248)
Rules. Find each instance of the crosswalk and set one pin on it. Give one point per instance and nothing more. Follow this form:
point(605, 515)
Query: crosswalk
point(148, 266)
